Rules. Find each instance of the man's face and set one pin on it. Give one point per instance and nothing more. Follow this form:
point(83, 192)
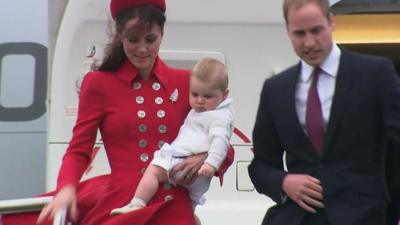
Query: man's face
point(310, 32)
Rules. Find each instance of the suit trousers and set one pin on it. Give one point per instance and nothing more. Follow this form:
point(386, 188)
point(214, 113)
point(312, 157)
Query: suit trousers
point(318, 218)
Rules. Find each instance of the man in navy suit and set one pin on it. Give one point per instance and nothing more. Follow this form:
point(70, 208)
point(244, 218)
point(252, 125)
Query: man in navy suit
point(331, 124)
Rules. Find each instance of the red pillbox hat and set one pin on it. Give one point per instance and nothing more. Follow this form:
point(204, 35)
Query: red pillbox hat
point(116, 6)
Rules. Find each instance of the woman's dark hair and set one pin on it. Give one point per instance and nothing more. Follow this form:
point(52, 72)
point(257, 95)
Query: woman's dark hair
point(148, 15)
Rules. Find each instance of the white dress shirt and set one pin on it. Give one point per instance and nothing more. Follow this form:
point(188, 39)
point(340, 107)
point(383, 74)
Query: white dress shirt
point(326, 86)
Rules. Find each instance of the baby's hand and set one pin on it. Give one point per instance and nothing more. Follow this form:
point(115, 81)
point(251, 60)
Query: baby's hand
point(207, 170)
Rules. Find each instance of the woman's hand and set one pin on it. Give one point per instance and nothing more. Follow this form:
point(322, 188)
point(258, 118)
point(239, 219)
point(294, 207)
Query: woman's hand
point(186, 172)
point(207, 170)
point(65, 198)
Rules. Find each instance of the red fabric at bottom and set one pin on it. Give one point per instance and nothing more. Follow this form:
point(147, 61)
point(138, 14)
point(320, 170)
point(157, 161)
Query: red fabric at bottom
point(95, 204)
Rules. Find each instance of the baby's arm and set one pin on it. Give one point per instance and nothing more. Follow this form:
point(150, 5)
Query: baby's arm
point(207, 170)
point(220, 133)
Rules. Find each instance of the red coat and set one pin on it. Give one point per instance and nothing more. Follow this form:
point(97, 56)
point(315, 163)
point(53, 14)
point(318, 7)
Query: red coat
point(134, 117)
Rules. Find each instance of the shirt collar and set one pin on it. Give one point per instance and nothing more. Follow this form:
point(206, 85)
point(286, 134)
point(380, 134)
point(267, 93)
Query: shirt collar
point(127, 73)
point(330, 66)
point(224, 103)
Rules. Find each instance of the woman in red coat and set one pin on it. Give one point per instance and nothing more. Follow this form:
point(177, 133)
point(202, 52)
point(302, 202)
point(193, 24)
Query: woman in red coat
point(138, 103)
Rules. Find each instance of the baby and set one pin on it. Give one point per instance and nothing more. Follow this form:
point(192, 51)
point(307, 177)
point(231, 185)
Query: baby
point(207, 128)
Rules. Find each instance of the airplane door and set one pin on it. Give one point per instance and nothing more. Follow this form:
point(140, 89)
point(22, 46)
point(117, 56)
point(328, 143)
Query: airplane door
point(23, 90)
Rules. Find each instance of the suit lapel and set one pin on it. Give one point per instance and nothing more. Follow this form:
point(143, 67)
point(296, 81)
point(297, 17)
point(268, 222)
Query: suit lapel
point(344, 83)
point(290, 98)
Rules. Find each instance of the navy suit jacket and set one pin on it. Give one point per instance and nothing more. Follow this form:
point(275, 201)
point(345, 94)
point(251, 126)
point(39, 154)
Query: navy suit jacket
point(393, 178)
point(365, 112)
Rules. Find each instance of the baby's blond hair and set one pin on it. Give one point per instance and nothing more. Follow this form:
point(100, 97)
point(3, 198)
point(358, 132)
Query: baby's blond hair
point(211, 71)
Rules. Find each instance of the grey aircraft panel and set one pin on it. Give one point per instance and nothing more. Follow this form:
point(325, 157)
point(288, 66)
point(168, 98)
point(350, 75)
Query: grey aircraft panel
point(22, 174)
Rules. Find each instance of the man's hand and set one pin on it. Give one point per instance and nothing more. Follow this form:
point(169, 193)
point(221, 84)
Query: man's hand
point(305, 190)
point(185, 173)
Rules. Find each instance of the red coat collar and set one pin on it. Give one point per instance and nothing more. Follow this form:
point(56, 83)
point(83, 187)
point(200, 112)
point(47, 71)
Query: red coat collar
point(127, 73)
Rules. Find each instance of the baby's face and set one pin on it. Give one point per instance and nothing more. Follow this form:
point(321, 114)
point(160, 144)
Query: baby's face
point(203, 97)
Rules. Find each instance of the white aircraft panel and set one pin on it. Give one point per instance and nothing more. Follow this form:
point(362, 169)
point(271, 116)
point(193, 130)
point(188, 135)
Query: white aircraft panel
point(98, 166)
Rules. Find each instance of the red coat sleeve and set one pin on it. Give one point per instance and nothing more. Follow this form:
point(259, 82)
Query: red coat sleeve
point(79, 151)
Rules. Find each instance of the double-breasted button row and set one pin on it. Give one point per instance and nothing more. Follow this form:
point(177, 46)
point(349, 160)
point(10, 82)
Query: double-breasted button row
point(157, 100)
point(160, 114)
point(143, 128)
point(155, 86)
point(143, 143)
point(162, 128)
